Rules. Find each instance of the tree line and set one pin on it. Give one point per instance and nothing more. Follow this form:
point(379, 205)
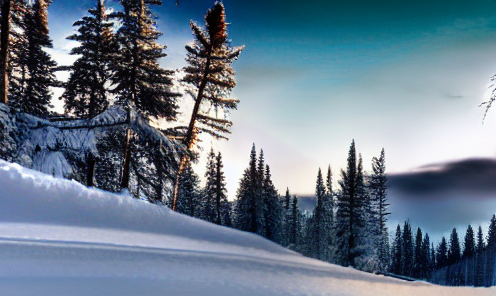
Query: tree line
point(117, 67)
point(347, 225)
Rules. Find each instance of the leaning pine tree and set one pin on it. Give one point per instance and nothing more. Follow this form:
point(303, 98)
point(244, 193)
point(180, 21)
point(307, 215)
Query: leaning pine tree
point(86, 91)
point(211, 78)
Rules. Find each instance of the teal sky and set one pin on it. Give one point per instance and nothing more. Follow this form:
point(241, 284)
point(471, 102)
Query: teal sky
point(406, 76)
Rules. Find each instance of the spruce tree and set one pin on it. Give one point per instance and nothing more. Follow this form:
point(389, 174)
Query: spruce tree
point(221, 204)
point(350, 211)
point(418, 256)
point(17, 52)
point(480, 270)
point(454, 248)
point(249, 207)
point(272, 209)
point(397, 252)
point(138, 80)
point(329, 206)
point(37, 62)
point(86, 90)
point(286, 217)
point(208, 198)
point(294, 224)
point(442, 254)
point(189, 193)
point(378, 195)
point(491, 236)
point(469, 243)
point(425, 257)
point(407, 250)
point(319, 224)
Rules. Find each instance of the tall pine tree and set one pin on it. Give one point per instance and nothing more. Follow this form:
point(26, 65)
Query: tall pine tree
point(86, 90)
point(37, 63)
point(349, 219)
point(138, 80)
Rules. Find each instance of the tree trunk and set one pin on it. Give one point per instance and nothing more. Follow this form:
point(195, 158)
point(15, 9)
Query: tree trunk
point(190, 134)
point(127, 162)
point(4, 52)
point(91, 170)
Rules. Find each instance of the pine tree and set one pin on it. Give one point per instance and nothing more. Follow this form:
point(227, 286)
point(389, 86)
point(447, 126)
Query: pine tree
point(407, 259)
point(37, 62)
point(189, 193)
point(491, 254)
point(221, 203)
point(349, 216)
point(469, 244)
point(286, 216)
point(378, 192)
point(491, 236)
point(249, 207)
point(319, 224)
point(418, 258)
point(17, 52)
point(208, 198)
point(211, 78)
point(86, 90)
point(454, 248)
point(442, 254)
point(425, 256)
point(397, 252)
point(480, 271)
point(272, 209)
point(4, 50)
point(294, 224)
point(329, 205)
point(137, 78)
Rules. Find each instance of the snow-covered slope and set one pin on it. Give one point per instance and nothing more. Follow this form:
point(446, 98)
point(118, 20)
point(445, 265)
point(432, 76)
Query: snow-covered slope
point(58, 237)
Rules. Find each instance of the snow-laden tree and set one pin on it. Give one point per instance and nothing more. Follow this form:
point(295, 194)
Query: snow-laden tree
point(86, 90)
point(211, 79)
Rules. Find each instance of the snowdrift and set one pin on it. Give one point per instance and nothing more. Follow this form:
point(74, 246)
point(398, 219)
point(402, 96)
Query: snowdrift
point(58, 237)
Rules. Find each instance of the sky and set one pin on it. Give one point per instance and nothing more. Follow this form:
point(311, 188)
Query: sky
point(404, 76)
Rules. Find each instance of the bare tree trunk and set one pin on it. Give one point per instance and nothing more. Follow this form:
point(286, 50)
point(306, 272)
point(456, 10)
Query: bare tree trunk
point(4, 52)
point(127, 162)
point(91, 170)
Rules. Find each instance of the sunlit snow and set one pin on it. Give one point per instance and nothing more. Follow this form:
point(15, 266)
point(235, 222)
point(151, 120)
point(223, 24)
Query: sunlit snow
point(58, 237)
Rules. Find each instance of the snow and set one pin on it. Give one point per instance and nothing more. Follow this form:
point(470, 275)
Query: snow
point(58, 237)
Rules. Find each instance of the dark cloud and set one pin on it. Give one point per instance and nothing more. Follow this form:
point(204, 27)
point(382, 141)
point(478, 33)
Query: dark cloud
point(469, 176)
point(440, 197)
